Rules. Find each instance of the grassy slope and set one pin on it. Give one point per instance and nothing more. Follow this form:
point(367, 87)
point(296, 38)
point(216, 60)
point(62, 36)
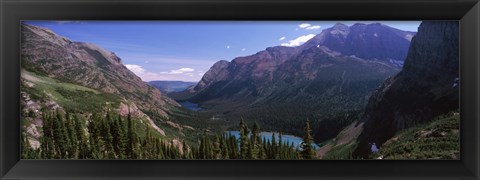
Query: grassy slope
point(439, 139)
point(436, 140)
point(81, 99)
point(71, 97)
point(343, 145)
point(77, 99)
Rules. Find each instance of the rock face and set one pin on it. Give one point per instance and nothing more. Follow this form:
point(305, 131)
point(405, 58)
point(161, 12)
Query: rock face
point(216, 73)
point(47, 53)
point(426, 87)
point(366, 41)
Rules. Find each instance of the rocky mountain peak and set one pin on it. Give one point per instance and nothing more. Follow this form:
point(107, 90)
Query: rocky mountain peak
point(339, 29)
point(87, 65)
point(216, 73)
point(339, 26)
point(110, 56)
point(45, 34)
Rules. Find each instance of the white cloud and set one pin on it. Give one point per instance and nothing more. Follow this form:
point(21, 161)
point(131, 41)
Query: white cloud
point(228, 47)
point(298, 41)
point(243, 49)
point(179, 71)
point(159, 63)
point(282, 38)
point(182, 74)
point(304, 25)
point(313, 27)
point(144, 74)
point(135, 68)
point(307, 26)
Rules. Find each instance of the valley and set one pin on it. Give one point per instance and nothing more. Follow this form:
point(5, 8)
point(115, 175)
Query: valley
point(328, 98)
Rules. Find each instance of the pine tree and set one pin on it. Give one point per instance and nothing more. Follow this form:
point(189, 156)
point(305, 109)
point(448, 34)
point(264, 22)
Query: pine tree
point(47, 147)
point(27, 151)
point(94, 137)
point(243, 140)
point(131, 138)
point(224, 148)
point(233, 145)
point(263, 149)
point(60, 137)
point(274, 148)
point(81, 141)
point(280, 146)
point(307, 148)
point(255, 142)
point(70, 128)
point(118, 133)
point(106, 133)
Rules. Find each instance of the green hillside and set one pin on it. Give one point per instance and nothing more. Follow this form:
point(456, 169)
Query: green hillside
point(439, 139)
point(71, 97)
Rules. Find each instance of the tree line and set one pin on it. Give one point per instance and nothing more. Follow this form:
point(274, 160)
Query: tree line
point(250, 145)
point(99, 137)
point(67, 136)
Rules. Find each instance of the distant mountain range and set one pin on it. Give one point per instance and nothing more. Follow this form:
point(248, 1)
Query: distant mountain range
point(333, 73)
point(171, 86)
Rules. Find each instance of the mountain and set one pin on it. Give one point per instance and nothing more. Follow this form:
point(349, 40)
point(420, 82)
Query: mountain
point(85, 64)
point(171, 86)
point(327, 76)
point(85, 80)
point(426, 87)
point(366, 41)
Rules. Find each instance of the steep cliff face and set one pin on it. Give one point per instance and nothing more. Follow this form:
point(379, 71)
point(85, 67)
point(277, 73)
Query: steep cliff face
point(426, 87)
point(216, 73)
point(49, 54)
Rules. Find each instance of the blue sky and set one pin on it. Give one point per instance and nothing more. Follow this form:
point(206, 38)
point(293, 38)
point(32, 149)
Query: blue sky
point(184, 50)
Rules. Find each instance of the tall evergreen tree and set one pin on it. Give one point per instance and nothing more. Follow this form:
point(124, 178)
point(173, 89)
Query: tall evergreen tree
point(60, 137)
point(27, 152)
point(307, 148)
point(244, 146)
point(132, 138)
point(225, 153)
point(47, 147)
point(217, 154)
point(280, 148)
point(81, 141)
point(107, 136)
point(274, 147)
point(118, 139)
point(70, 128)
point(255, 142)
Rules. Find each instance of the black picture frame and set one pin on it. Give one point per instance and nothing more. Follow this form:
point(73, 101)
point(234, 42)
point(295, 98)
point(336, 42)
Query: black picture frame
point(13, 11)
